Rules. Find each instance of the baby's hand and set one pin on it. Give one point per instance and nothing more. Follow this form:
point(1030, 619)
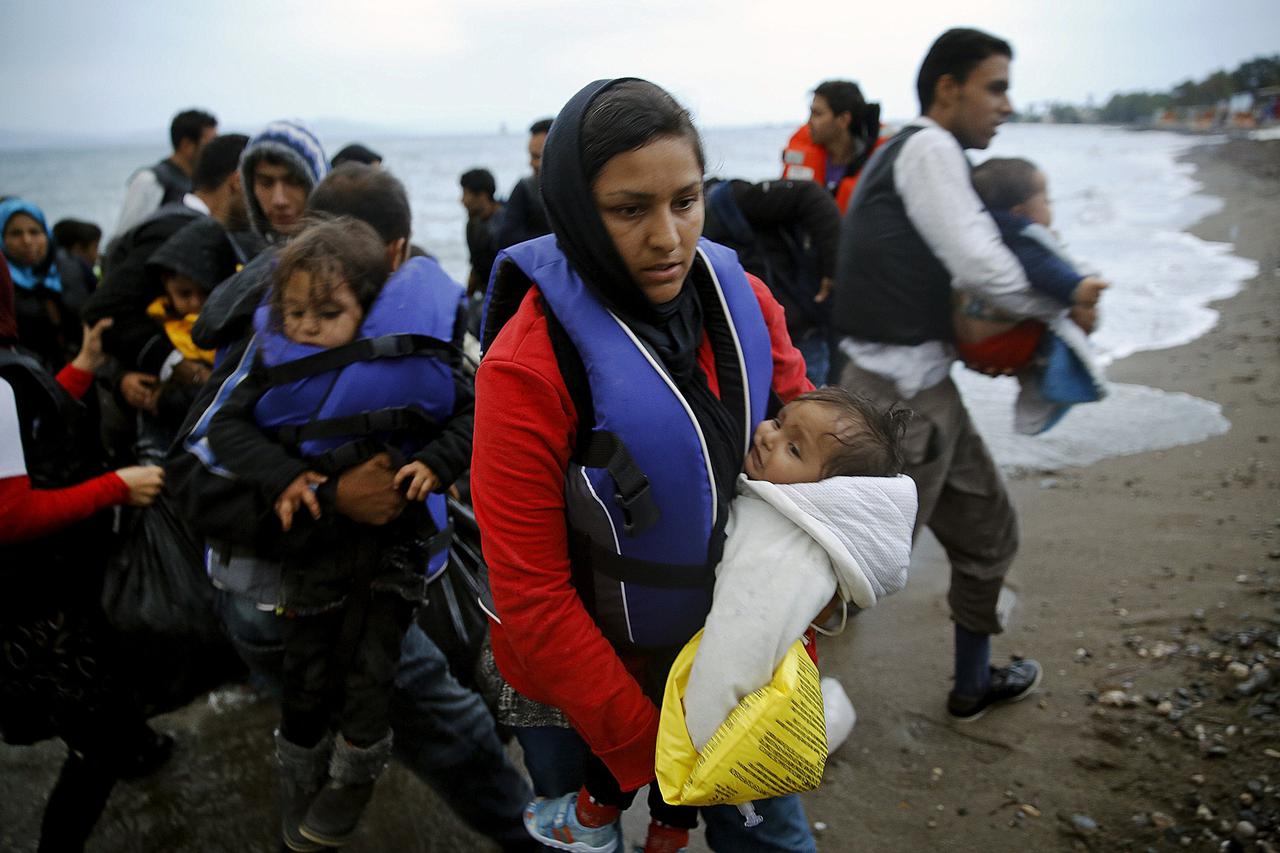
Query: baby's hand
point(424, 481)
point(1089, 291)
point(300, 491)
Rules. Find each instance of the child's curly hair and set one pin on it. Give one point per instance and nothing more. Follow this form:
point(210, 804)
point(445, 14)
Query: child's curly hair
point(870, 445)
point(332, 251)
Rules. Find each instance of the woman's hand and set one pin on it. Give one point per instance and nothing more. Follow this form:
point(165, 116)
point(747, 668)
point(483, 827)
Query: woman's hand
point(302, 491)
point(91, 357)
point(424, 480)
point(144, 482)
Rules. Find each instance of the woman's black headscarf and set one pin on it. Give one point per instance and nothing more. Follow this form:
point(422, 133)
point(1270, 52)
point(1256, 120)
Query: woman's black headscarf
point(674, 329)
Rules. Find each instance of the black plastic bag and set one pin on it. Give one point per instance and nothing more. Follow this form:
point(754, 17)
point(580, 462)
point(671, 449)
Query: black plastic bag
point(453, 616)
point(155, 583)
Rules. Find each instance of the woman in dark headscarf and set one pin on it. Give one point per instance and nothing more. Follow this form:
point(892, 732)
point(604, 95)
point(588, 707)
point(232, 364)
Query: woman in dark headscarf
point(59, 667)
point(48, 312)
point(627, 363)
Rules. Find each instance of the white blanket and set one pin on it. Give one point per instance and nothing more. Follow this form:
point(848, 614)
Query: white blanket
point(789, 549)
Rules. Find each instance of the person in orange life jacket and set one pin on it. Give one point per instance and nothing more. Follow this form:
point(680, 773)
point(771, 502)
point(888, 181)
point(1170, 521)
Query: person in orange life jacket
point(842, 133)
point(329, 287)
point(624, 330)
point(915, 233)
point(169, 180)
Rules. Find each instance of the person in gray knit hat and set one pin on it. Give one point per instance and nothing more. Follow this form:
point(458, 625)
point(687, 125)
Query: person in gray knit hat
point(281, 165)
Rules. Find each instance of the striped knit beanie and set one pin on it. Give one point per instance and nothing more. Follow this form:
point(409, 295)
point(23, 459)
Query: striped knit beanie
point(292, 143)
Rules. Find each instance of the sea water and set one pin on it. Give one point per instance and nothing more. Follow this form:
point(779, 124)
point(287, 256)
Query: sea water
point(1122, 202)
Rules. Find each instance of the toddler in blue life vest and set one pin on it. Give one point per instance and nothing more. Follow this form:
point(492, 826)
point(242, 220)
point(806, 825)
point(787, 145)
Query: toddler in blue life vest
point(823, 518)
point(347, 364)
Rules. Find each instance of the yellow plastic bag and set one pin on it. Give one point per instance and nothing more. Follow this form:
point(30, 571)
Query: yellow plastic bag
point(773, 743)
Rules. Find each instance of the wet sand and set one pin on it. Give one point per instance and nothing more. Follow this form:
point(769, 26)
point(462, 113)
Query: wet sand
point(1143, 574)
point(1140, 581)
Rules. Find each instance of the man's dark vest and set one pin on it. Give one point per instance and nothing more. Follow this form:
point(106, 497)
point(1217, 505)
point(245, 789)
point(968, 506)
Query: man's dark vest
point(176, 183)
point(892, 288)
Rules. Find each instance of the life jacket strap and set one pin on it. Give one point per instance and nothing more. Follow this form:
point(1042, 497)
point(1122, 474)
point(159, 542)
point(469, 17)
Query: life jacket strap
point(640, 572)
point(400, 419)
point(603, 449)
point(364, 349)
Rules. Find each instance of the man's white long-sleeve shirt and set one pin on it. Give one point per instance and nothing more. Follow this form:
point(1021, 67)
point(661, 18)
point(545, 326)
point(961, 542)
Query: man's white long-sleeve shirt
point(932, 176)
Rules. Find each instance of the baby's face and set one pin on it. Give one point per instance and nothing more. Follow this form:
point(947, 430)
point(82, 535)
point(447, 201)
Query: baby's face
point(185, 294)
point(1037, 207)
point(330, 321)
point(794, 446)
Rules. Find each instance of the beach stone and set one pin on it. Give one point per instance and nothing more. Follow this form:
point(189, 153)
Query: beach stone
point(1246, 799)
point(1204, 813)
point(1165, 708)
point(1029, 810)
point(1197, 778)
point(1244, 829)
point(1238, 670)
point(1116, 699)
point(1217, 751)
point(1160, 820)
point(1084, 824)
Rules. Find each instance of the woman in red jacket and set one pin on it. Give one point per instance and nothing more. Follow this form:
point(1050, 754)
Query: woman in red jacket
point(626, 364)
point(60, 673)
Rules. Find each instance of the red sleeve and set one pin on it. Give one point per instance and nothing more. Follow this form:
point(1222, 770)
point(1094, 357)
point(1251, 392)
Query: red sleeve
point(547, 645)
point(789, 380)
point(27, 513)
point(75, 380)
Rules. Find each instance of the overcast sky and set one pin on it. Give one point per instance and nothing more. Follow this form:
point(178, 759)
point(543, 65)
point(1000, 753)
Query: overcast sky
point(431, 66)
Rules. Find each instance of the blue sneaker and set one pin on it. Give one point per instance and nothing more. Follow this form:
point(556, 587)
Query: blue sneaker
point(555, 824)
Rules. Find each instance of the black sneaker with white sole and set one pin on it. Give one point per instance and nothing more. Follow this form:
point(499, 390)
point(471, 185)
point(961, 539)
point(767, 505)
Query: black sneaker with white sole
point(1011, 683)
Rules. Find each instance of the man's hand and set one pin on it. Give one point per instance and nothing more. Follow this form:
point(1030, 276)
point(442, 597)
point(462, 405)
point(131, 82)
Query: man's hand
point(367, 492)
point(144, 482)
point(191, 373)
point(423, 481)
point(301, 492)
point(1089, 291)
point(140, 390)
point(1084, 316)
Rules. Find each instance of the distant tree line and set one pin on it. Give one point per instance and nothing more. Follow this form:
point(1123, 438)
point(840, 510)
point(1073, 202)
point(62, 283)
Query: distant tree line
point(1257, 73)
point(1130, 107)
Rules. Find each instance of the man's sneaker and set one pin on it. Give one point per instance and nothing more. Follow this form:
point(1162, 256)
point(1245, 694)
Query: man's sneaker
point(1011, 683)
point(555, 824)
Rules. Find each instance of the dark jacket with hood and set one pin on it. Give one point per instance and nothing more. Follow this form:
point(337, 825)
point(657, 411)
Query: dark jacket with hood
point(130, 286)
point(785, 233)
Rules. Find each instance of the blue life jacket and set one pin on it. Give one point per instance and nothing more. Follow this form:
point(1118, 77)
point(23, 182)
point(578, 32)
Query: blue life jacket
point(640, 492)
point(390, 387)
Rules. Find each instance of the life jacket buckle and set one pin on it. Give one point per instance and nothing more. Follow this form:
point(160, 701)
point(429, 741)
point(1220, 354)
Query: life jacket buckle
point(639, 512)
point(391, 346)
